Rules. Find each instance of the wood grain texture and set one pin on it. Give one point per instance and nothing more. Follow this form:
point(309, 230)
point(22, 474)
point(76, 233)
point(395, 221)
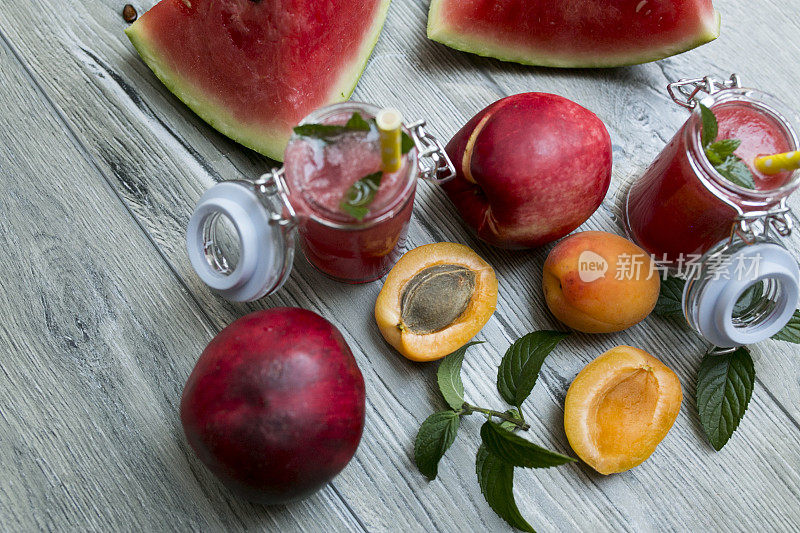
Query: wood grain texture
point(135, 160)
point(97, 338)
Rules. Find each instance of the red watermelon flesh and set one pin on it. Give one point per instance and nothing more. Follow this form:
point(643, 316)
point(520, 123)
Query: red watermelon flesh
point(253, 68)
point(573, 33)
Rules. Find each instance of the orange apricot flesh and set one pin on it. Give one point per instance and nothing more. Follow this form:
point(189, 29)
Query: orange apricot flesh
point(619, 408)
point(450, 276)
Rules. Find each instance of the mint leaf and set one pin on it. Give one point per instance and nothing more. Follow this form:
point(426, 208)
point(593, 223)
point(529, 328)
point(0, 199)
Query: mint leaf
point(496, 478)
point(670, 299)
point(522, 362)
point(327, 132)
point(357, 212)
point(320, 131)
point(448, 375)
point(710, 127)
point(435, 436)
point(358, 197)
point(357, 123)
point(406, 143)
point(736, 171)
point(724, 386)
point(749, 297)
point(720, 153)
point(713, 157)
point(725, 148)
point(791, 331)
point(517, 451)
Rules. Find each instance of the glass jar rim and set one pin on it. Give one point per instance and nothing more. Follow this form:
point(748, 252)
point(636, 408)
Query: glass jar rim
point(764, 103)
point(335, 220)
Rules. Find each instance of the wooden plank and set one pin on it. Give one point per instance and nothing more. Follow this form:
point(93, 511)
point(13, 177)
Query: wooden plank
point(159, 172)
point(97, 341)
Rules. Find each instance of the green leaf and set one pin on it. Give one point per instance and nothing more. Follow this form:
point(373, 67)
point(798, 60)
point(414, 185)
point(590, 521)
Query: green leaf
point(724, 386)
point(357, 123)
point(435, 436)
point(517, 451)
point(710, 127)
point(670, 299)
point(725, 148)
point(358, 197)
point(327, 132)
point(496, 478)
point(355, 211)
point(448, 375)
point(736, 171)
point(406, 143)
point(522, 362)
point(320, 131)
point(791, 331)
point(749, 297)
point(713, 157)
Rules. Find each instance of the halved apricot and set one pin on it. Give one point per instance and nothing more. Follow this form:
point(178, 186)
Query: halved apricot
point(435, 299)
point(619, 408)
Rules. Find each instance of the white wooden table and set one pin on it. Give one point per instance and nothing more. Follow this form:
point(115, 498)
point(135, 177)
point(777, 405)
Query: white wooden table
point(102, 318)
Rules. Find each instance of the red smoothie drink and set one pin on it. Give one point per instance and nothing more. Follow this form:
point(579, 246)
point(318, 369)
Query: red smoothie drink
point(681, 206)
point(320, 171)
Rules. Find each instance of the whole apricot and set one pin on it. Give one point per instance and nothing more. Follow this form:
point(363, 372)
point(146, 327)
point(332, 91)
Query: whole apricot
point(598, 282)
point(619, 408)
point(435, 299)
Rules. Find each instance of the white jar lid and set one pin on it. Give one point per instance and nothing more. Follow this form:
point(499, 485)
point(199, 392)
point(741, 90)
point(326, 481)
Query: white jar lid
point(722, 288)
point(266, 248)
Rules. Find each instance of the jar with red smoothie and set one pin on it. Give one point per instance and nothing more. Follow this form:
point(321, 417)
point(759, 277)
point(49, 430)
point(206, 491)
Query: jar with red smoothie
point(682, 206)
point(319, 173)
point(351, 215)
point(742, 284)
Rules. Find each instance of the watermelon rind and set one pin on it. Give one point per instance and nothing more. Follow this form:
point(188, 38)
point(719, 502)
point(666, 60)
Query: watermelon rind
point(439, 31)
point(268, 142)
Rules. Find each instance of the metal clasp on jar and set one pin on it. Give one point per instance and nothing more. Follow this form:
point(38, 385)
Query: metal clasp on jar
point(271, 187)
point(751, 225)
point(434, 164)
point(685, 92)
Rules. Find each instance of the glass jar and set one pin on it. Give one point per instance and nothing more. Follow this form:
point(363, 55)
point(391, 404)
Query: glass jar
point(302, 198)
point(346, 249)
point(686, 214)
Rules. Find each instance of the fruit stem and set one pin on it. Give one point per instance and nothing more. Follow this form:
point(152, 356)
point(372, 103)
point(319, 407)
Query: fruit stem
point(469, 409)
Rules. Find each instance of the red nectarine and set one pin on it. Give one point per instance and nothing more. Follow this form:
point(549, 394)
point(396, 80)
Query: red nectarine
point(530, 168)
point(275, 405)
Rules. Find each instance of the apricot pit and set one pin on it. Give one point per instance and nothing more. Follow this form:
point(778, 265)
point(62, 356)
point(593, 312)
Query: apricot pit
point(435, 299)
point(619, 408)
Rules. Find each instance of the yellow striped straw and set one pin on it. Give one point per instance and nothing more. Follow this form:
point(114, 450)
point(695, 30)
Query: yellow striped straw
point(774, 164)
point(390, 123)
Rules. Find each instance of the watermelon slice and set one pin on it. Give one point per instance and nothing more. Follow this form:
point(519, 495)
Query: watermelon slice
point(253, 68)
point(573, 33)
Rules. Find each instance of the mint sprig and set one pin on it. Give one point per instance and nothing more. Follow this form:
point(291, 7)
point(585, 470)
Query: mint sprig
point(501, 449)
point(360, 195)
point(720, 153)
